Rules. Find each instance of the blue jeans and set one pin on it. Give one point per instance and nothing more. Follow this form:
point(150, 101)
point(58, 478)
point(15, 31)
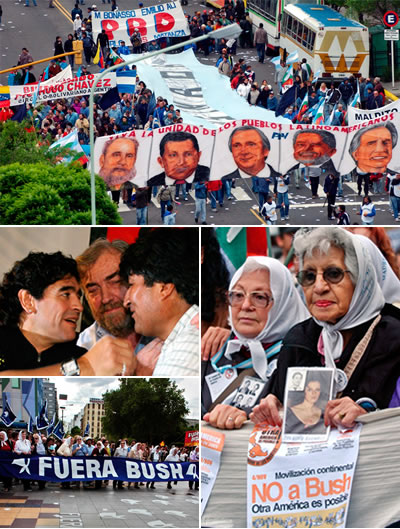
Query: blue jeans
point(164, 204)
point(262, 198)
point(154, 191)
point(227, 186)
point(216, 195)
point(261, 51)
point(200, 211)
point(177, 187)
point(141, 216)
point(283, 201)
point(395, 202)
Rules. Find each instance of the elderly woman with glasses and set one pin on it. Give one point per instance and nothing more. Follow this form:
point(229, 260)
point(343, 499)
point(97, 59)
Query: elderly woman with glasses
point(352, 329)
point(263, 306)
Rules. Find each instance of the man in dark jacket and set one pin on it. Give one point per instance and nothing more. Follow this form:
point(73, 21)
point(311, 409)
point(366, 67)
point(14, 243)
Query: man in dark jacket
point(330, 188)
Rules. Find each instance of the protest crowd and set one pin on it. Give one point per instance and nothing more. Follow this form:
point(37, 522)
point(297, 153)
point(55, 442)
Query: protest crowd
point(298, 96)
point(22, 442)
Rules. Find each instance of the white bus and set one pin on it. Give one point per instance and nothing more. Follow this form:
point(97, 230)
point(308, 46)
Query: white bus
point(330, 42)
point(269, 12)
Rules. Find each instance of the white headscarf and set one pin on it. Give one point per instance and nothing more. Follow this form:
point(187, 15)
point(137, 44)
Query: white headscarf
point(366, 304)
point(387, 279)
point(287, 310)
point(4, 442)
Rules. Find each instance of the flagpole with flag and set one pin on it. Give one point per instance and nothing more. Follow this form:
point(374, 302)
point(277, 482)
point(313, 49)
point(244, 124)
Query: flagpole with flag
point(356, 98)
point(31, 425)
point(8, 417)
point(319, 116)
point(42, 421)
point(287, 80)
point(59, 431)
point(303, 107)
point(87, 430)
point(332, 115)
point(51, 425)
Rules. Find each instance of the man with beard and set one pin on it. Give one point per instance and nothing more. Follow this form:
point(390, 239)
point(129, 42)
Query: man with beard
point(39, 310)
point(117, 161)
point(313, 150)
point(104, 290)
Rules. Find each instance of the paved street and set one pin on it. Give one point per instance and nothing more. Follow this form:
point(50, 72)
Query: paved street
point(56, 507)
point(244, 209)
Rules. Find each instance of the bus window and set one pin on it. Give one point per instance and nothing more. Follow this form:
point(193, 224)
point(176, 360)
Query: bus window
point(265, 8)
point(305, 37)
point(289, 21)
point(294, 28)
point(299, 32)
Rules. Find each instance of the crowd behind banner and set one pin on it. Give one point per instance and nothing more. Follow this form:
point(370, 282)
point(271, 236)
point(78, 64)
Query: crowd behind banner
point(337, 154)
point(35, 458)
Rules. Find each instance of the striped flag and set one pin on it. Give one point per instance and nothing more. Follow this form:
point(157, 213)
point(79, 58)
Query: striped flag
point(276, 61)
point(303, 107)
point(45, 75)
point(316, 76)
point(26, 77)
point(126, 81)
point(292, 57)
point(287, 80)
point(332, 115)
point(98, 58)
point(4, 96)
point(239, 243)
point(35, 95)
point(356, 98)
point(319, 116)
point(116, 59)
point(71, 142)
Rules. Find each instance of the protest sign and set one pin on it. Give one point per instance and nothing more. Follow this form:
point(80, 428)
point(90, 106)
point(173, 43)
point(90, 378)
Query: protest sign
point(192, 438)
point(307, 392)
point(123, 157)
point(180, 153)
point(212, 443)
point(55, 469)
point(299, 484)
point(355, 115)
point(152, 22)
point(65, 88)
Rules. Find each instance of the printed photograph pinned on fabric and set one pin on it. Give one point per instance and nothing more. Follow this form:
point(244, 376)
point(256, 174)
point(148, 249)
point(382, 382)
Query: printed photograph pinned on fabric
point(307, 393)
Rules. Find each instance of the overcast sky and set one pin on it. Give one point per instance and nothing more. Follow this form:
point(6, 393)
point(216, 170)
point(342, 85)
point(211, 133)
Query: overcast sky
point(80, 390)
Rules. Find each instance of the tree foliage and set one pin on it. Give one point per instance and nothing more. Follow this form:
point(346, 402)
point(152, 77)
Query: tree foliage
point(40, 193)
point(146, 410)
point(75, 431)
point(369, 12)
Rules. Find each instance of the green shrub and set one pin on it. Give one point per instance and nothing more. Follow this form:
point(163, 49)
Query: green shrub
point(40, 193)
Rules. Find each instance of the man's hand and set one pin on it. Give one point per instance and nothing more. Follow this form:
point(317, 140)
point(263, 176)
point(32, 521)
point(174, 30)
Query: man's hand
point(226, 417)
point(108, 357)
point(212, 341)
point(267, 410)
point(147, 358)
point(342, 413)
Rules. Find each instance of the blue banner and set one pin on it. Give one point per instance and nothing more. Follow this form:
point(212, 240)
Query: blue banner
point(55, 468)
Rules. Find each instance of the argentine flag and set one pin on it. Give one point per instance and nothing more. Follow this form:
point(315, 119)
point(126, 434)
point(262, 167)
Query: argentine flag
point(126, 81)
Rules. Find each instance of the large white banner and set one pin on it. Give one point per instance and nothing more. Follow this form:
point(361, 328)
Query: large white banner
point(64, 88)
point(153, 22)
point(355, 115)
point(246, 148)
point(300, 484)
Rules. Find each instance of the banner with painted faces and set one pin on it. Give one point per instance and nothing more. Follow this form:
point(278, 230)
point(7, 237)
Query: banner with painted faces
point(246, 148)
point(152, 22)
point(184, 153)
point(123, 158)
point(373, 146)
point(180, 154)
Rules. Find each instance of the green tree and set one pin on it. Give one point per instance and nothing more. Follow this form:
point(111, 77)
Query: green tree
point(369, 12)
point(19, 145)
point(75, 431)
point(41, 193)
point(147, 410)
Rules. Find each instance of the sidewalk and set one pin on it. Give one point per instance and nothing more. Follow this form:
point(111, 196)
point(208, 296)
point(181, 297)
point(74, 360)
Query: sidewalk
point(56, 507)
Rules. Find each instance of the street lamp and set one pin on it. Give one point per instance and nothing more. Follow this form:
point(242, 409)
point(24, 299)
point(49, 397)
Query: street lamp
point(231, 31)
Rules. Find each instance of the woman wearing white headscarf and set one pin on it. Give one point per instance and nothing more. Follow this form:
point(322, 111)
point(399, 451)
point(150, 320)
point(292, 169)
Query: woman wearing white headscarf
point(39, 449)
point(5, 446)
point(23, 447)
point(352, 329)
point(264, 305)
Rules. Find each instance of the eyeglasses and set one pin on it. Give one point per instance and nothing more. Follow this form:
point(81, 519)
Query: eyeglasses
point(260, 300)
point(332, 275)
